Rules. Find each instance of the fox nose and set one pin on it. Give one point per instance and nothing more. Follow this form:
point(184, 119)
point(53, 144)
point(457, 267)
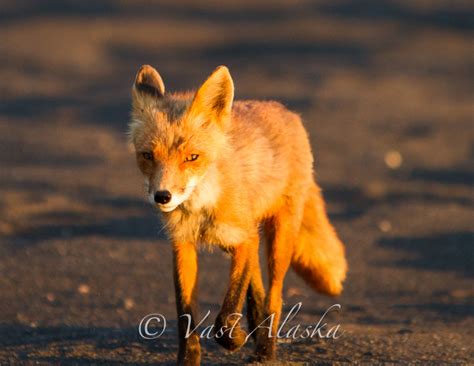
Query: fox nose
point(162, 197)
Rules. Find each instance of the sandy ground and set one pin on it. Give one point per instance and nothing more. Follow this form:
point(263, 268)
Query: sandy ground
point(385, 89)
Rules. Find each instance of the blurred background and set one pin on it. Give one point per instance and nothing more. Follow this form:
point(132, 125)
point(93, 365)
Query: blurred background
point(385, 89)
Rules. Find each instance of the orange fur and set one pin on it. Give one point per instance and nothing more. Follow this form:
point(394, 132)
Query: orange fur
point(231, 166)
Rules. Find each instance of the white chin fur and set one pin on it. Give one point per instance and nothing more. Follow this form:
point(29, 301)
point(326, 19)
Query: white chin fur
point(166, 209)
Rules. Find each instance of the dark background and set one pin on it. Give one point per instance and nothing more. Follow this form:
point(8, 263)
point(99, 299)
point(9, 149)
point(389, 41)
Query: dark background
point(385, 90)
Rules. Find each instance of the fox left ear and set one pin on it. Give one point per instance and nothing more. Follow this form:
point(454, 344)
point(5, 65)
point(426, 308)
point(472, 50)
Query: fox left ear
point(213, 100)
point(148, 81)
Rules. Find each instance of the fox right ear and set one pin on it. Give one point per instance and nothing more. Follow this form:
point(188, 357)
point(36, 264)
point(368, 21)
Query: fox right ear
point(149, 82)
point(214, 98)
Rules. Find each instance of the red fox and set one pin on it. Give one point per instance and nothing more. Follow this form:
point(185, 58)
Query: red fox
point(218, 171)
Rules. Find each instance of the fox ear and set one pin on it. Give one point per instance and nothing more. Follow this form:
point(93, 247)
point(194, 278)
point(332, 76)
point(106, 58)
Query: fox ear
point(213, 100)
point(149, 82)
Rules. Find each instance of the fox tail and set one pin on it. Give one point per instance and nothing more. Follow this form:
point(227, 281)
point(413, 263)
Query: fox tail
point(318, 255)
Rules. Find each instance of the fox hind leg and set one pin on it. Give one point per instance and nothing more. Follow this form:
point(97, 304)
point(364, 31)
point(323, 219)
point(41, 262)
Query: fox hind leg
point(282, 232)
point(255, 299)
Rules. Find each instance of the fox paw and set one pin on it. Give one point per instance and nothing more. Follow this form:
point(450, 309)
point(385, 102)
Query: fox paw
point(229, 334)
point(265, 350)
point(190, 352)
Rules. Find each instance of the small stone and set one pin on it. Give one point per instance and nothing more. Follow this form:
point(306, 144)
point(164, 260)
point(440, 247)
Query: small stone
point(385, 226)
point(50, 297)
point(128, 303)
point(83, 289)
point(393, 159)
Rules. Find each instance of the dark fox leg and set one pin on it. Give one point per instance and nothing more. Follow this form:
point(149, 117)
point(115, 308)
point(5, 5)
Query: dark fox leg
point(255, 299)
point(243, 256)
point(185, 279)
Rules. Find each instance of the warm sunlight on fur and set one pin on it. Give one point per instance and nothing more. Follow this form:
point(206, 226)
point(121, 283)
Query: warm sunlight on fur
point(218, 170)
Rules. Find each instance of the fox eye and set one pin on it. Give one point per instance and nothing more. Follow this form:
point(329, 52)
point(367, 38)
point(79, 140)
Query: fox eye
point(191, 157)
point(147, 156)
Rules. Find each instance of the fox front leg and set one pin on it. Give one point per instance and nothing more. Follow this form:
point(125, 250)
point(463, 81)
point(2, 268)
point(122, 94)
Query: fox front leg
point(185, 279)
point(228, 331)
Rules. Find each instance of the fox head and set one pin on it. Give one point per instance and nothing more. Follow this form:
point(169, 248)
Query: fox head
point(178, 138)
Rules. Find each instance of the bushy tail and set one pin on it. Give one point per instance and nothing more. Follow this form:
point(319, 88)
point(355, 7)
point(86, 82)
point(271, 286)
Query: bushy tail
point(318, 255)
